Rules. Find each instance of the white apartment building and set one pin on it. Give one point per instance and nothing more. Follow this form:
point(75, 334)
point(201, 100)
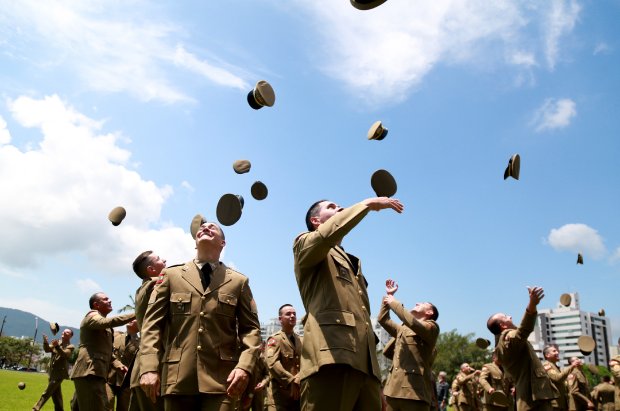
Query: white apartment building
point(564, 325)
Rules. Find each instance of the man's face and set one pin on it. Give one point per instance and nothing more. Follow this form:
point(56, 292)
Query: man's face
point(466, 368)
point(552, 355)
point(422, 310)
point(210, 234)
point(505, 321)
point(156, 265)
point(288, 317)
point(103, 304)
point(326, 210)
point(67, 334)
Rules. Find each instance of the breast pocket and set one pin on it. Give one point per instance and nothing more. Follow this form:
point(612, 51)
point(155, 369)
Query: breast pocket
point(226, 304)
point(180, 303)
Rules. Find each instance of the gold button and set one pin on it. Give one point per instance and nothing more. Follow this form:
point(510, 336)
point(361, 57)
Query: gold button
point(366, 323)
point(180, 299)
point(200, 330)
point(360, 291)
point(202, 298)
point(202, 313)
point(363, 307)
point(338, 320)
point(199, 348)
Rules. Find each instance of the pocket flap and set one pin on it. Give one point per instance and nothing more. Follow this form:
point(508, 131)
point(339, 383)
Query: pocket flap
point(180, 297)
point(174, 355)
point(227, 299)
point(336, 318)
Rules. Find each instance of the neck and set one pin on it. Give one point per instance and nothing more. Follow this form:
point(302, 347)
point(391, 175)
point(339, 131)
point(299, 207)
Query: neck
point(287, 331)
point(209, 255)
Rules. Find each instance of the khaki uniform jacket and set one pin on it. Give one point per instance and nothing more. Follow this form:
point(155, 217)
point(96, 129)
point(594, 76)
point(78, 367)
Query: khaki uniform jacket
point(283, 359)
point(95, 351)
point(466, 387)
point(203, 334)
point(337, 329)
point(410, 374)
point(615, 372)
point(124, 351)
point(558, 379)
point(523, 366)
point(603, 396)
point(58, 370)
point(491, 376)
point(141, 301)
point(578, 390)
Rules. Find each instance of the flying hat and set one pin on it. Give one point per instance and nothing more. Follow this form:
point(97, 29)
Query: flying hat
point(197, 221)
point(514, 165)
point(579, 258)
point(586, 344)
point(259, 190)
point(261, 95)
point(601, 312)
point(593, 369)
point(366, 4)
point(482, 343)
point(499, 398)
point(117, 215)
point(229, 208)
point(383, 183)
point(242, 166)
point(565, 299)
point(21, 385)
point(377, 131)
point(54, 328)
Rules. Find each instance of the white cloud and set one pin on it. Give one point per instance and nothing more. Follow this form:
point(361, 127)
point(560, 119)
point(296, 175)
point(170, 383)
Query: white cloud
point(560, 19)
point(87, 286)
point(187, 185)
point(384, 53)
point(601, 48)
point(121, 52)
point(5, 136)
point(554, 114)
point(615, 256)
point(74, 176)
point(577, 238)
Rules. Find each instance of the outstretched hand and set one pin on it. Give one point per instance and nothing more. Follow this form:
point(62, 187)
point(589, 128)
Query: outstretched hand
point(536, 294)
point(391, 286)
point(381, 203)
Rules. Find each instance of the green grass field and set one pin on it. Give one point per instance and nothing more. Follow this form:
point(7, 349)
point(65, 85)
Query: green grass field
point(14, 399)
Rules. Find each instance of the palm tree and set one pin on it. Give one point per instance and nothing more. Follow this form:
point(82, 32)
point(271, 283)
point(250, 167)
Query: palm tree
point(129, 307)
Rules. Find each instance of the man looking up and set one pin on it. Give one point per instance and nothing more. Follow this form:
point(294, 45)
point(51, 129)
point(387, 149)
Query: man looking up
point(202, 324)
point(339, 368)
point(534, 390)
point(61, 351)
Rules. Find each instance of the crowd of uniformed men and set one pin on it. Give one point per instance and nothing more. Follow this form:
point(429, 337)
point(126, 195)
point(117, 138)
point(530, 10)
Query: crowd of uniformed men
point(194, 342)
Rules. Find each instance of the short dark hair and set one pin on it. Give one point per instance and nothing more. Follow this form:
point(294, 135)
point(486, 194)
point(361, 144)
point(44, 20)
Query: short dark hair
point(547, 349)
point(281, 307)
point(141, 263)
point(312, 212)
point(93, 299)
point(606, 378)
point(435, 315)
point(493, 325)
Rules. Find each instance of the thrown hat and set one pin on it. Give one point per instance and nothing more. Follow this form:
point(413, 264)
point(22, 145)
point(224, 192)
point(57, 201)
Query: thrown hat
point(514, 165)
point(366, 4)
point(197, 221)
point(586, 344)
point(242, 166)
point(261, 95)
point(383, 183)
point(377, 131)
point(499, 398)
point(259, 190)
point(54, 328)
point(579, 258)
point(593, 369)
point(117, 215)
point(565, 299)
point(482, 343)
point(601, 312)
point(21, 385)
point(228, 210)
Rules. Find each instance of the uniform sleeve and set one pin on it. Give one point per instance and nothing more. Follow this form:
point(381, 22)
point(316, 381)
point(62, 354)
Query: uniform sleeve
point(65, 352)
point(573, 391)
point(525, 327)
point(483, 380)
point(312, 247)
point(276, 369)
point(427, 330)
point(96, 321)
point(46, 346)
point(386, 322)
point(153, 325)
point(557, 376)
point(248, 329)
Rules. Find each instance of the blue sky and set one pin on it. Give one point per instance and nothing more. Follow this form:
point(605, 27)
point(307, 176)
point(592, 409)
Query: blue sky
point(143, 105)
